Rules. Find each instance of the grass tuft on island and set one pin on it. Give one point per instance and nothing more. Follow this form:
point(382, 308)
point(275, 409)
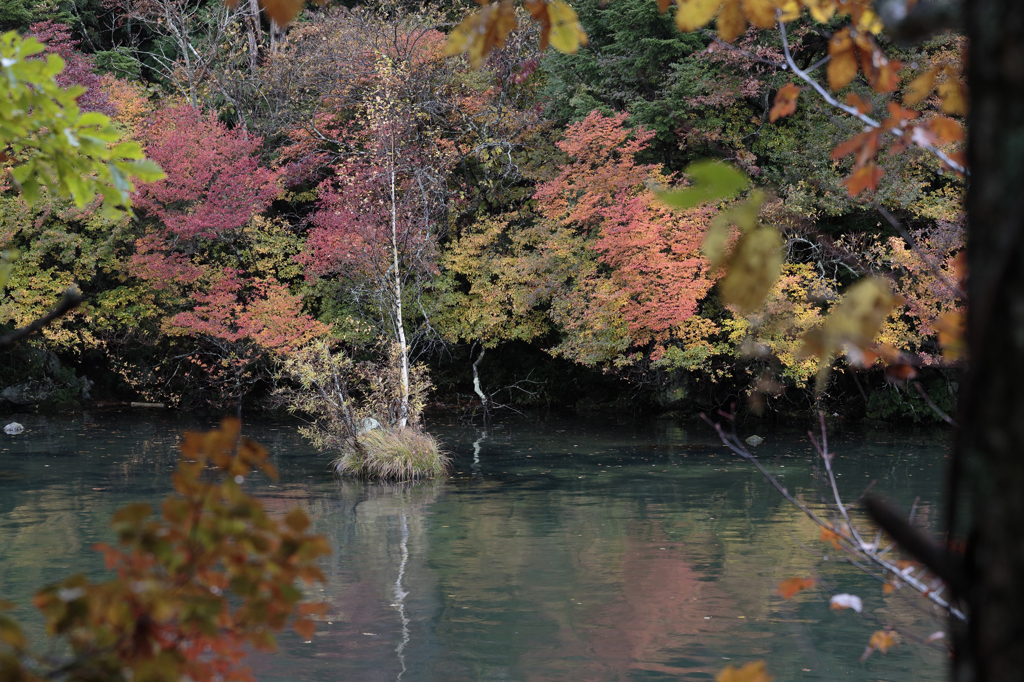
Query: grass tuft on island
point(394, 455)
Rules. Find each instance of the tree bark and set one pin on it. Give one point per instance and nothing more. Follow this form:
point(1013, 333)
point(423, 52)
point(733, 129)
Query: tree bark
point(991, 445)
point(254, 34)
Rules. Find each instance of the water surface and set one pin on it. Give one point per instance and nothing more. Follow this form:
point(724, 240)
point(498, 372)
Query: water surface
point(560, 550)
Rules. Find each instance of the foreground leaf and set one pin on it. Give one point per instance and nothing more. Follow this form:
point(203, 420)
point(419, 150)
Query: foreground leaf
point(785, 102)
point(712, 181)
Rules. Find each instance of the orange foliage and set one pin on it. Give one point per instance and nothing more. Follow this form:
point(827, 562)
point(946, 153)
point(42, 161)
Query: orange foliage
point(212, 577)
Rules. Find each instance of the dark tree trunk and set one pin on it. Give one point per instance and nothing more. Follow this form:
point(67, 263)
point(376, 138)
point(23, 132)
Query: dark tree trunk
point(991, 448)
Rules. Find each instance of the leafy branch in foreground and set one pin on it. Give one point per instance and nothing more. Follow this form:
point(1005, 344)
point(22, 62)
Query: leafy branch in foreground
point(211, 578)
point(53, 143)
point(860, 549)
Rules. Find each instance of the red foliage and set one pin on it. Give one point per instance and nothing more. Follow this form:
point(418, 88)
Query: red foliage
point(78, 67)
point(262, 312)
point(653, 251)
point(214, 182)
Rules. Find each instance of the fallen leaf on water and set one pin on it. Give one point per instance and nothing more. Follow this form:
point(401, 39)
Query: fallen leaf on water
point(788, 588)
point(881, 640)
point(751, 672)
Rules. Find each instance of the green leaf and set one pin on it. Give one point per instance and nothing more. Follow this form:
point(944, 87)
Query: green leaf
point(712, 181)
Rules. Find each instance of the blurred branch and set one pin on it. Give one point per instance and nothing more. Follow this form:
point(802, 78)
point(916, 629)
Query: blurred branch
point(72, 299)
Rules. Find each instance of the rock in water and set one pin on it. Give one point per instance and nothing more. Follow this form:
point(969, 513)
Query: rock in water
point(755, 441)
point(13, 428)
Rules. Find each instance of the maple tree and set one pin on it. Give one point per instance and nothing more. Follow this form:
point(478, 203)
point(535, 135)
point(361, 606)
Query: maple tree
point(196, 586)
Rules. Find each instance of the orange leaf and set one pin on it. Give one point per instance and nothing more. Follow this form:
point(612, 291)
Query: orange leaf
point(881, 640)
point(785, 102)
point(305, 627)
point(853, 144)
point(481, 32)
point(888, 588)
point(945, 130)
point(854, 100)
point(898, 116)
point(864, 178)
point(842, 67)
point(919, 88)
point(282, 11)
point(663, 5)
point(788, 588)
point(830, 536)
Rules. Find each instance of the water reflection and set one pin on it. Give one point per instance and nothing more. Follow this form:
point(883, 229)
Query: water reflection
point(560, 550)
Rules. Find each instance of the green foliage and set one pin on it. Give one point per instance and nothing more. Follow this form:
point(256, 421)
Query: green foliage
point(712, 181)
point(342, 396)
point(118, 62)
point(902, 403)
point(627, 66)
point(16, 15)
point(54, 144)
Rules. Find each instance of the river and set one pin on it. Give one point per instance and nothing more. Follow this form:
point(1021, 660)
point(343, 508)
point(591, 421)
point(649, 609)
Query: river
point(560, 549)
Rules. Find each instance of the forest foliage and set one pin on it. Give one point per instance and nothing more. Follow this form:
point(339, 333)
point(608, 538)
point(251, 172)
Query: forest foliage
point(355, 182)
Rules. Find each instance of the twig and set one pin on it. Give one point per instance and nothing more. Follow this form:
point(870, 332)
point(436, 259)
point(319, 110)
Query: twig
point(935, 408)
point(850, 539)
point(867, 120)
point(953, 289)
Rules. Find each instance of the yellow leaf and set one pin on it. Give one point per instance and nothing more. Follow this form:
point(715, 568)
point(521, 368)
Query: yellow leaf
point(952, 328)
point(751, 672)
point(842, 67)
point(760, 13)
point(790, 10)
point(881, 640)
point(953, 100)
point(715, 242)
point(754, 266)
point(731, 22)
point(567, 33)
point(868, 22)
point(282, 11)
point(855, 321)
point(821, 10)
point(919, 88)
point(481, 32)
point(694, 14)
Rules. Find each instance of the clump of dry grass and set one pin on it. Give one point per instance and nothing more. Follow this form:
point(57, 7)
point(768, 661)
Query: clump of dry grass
point(394, 455)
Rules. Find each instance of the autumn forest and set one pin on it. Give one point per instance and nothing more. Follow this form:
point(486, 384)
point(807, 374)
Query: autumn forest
point(485, 227)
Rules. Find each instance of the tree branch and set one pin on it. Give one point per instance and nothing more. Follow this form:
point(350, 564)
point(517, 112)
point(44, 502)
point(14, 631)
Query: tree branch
point(72, 299)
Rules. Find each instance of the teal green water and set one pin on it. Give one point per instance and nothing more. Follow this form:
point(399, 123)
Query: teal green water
point(560, 550)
